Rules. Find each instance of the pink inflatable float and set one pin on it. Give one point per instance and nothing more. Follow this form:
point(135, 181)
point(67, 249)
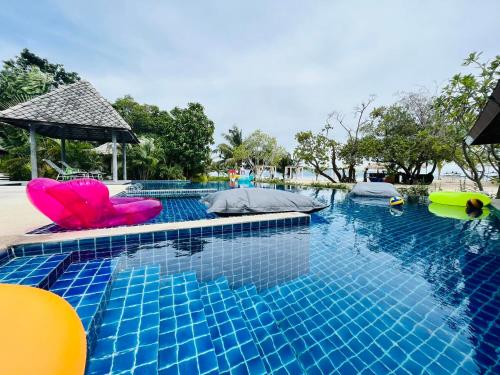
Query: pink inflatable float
point(85, 203)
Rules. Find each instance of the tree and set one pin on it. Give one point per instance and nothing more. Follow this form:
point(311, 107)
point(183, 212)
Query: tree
point(27, 61)
point(406, 136)
point(259, 148)
point(460, 103)
point(144, 159)
point(144, 119)
point(316, 151)
point(18, 85)
point(350, 152)
point(182, 137)
point(186, 142)
point(234, 138)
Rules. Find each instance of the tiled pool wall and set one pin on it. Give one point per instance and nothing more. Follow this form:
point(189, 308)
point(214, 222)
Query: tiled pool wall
point(280, 253)
point(176, 184)
point(264, 257)
point(167, 193)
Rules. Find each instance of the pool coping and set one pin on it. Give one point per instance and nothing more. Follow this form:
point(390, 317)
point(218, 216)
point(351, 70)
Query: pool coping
point(147, 228)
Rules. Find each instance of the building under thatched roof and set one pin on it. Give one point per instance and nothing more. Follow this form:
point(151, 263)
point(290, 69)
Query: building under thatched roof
point(76, 111)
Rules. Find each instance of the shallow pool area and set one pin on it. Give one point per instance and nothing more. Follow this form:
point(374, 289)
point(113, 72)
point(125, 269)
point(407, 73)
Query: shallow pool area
point(357, 288)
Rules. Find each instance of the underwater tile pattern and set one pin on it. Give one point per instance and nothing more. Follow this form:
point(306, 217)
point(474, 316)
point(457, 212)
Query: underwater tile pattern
point(305, 328)
point(182, 209)
point(86, 287)
point(169, 193)
point(174, 210)
point(275, 351)
point(40, 271)
point(128, 337)
point(185, 343)
point(233, 342)
point(267, 255)
point(412, 293)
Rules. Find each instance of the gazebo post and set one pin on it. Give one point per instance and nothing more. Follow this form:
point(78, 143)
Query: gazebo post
point(34, 164)
point(124, 160)
point(63, 149)
point(115, 157)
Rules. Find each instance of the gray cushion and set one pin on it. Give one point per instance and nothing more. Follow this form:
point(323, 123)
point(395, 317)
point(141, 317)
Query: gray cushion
point(374, 189)
point(257, 200)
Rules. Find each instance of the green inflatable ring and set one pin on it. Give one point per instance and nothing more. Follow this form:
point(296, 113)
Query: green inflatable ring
point(457, 198)
point(454, 212)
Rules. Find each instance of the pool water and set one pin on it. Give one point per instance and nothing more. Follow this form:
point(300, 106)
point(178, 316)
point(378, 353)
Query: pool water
point(363, 289)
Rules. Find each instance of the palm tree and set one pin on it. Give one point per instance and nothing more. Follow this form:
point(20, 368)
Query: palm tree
point(234, 138)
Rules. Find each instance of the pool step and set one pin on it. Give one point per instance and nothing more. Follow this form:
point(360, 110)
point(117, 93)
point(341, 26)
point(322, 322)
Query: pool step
point(86, 286)
point(185, 343)
point(306, 323)
point(40, 271)
point(275, 351)
point(129, 334)
point(236, 351)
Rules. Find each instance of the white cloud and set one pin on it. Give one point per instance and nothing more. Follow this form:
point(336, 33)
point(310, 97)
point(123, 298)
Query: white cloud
point(276, 65)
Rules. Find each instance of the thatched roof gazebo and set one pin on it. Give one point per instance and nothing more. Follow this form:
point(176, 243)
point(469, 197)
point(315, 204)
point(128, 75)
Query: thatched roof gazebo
point(77, 112)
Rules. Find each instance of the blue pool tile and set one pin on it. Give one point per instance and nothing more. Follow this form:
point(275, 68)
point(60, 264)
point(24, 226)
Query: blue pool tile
point(276, 353)
point(234, 345)
point(40, 271)
point(88, 299)
point(126, 342)
point(185, 344)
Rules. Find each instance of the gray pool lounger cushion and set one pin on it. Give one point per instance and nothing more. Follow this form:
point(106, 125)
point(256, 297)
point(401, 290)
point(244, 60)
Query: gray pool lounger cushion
point(374, 189)
point(258, 201)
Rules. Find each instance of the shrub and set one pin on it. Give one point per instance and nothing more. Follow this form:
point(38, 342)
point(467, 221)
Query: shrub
point(170, 172)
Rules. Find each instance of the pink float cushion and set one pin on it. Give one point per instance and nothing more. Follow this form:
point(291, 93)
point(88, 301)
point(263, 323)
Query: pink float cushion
point(85, 203)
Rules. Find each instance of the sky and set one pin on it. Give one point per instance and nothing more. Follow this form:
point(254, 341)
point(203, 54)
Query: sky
point(276, 65)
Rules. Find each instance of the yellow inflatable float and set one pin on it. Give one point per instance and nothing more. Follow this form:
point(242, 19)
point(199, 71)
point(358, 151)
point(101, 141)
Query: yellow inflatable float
point(457, 198)
point(456, 212)
point(40, 333)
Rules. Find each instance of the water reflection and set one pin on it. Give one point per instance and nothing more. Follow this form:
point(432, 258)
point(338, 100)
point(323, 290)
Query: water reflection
point(451, 268)
point(264, 258)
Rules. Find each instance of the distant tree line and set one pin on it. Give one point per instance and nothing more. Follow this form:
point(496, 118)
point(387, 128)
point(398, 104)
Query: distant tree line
point(416, 131)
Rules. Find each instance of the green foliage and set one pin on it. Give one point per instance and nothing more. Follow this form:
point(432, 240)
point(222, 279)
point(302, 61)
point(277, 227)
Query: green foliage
point(170, 172)
point(21, 79)
point(285, 161)
point(234, 139)
point(406, 135)
point(218, 178)
point(180, 138)
point(324, 185)
point(415, 190)
point(188, 139)
point(143, 160)
point(144, 119)
point(316, 151)
point(200, 178)
point(27, 61)
point(257, 149)
point(460, 103)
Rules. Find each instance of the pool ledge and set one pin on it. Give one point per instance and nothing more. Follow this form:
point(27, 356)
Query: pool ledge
point(108, 232)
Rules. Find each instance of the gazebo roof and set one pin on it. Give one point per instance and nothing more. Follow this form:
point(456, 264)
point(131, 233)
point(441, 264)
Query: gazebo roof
point(486, 130)
point(76, 111)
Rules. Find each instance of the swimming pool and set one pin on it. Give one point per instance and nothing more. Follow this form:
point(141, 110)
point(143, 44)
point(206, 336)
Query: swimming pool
point(359, 290)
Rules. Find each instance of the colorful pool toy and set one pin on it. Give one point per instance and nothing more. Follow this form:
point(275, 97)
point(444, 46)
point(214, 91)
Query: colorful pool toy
point(457, 198)
point(396, 201)
point(457, 212)
point(85, 203)
point(40, 333)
